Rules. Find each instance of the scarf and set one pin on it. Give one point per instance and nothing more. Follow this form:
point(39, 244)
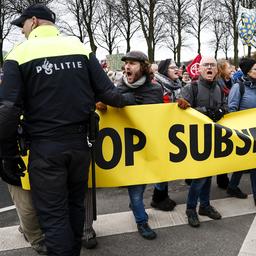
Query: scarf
point(167, 83)
point(136, 84)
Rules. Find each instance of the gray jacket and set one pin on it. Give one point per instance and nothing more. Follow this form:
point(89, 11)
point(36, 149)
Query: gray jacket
point(207, 96)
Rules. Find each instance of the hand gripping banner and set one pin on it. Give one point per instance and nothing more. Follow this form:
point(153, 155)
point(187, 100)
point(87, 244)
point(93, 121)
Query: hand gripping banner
point(160, 142)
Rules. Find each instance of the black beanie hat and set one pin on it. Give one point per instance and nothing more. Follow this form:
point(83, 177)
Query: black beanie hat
point(163, 66)
point(246, 65)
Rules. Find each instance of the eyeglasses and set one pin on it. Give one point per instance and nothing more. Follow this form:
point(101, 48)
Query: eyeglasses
point(173, 67)
point(209, 65)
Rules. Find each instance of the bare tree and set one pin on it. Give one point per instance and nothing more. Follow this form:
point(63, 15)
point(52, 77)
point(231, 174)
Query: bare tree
point(89, 12)
point(127, 23)
point(250, 4)
point(177, 19)
point(226, 42)
point(200, 19)
point(108, 32)
point(76, 25)
point(5, 26)
point(231, 8)
point(219, 27)
point(85, 19)
point(151, 18)
point(171, 40)
point(19, 5)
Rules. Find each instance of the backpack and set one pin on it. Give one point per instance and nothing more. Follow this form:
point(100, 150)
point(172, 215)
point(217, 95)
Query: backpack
point(241, 89)
point(195, 92)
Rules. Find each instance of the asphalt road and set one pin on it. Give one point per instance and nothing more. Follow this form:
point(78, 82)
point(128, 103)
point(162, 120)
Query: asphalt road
point(214, 238)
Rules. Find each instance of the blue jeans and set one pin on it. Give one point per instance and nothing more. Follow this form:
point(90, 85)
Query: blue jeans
point(136, 202)
point(199, 188)
point(161, 186)
point(236, 177)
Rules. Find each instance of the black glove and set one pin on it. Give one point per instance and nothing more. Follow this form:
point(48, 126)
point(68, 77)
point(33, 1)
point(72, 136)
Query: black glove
point(215, 114)
point(11, 169)
point(12, 166)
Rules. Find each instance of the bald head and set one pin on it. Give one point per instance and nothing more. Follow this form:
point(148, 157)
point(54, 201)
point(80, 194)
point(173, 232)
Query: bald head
point(208, 68)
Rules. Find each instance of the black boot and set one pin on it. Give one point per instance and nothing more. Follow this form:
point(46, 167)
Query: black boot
point(161, 200)
point(222, 181)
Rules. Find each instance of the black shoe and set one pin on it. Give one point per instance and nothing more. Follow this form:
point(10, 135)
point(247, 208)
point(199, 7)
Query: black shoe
point(193, 220)
point(210, 212)
point(146, 232)
point(236, 192)
point(165, 205)
point(40, 248)
point(90, 241)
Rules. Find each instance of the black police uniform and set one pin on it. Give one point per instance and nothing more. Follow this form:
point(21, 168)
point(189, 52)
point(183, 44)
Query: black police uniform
point(55, 81)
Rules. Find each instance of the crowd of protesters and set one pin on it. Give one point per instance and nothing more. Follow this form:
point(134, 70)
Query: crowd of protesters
point(215, 90)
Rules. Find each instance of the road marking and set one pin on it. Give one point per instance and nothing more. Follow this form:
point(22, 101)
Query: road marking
point(249, 245)
point(123, 222)
point(5, 209)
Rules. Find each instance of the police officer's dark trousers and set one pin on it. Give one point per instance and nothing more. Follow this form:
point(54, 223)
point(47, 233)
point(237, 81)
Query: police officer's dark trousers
point(58, 175)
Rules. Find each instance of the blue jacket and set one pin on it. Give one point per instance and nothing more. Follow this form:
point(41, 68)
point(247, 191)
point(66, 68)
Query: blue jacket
point(248, 100)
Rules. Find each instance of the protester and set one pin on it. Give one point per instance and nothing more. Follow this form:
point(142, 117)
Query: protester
point(137, 80)
point(29, 225)
point(185, 79)
point(224, 80)
point(154, 67)
point(53, 80)
point(214, 108)
point(168, 77)
point(243, 96)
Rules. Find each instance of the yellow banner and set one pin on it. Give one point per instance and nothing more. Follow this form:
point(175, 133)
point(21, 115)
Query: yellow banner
point(160, 142)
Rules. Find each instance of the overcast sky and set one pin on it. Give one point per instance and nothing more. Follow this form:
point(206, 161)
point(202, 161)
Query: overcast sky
point(139, 44)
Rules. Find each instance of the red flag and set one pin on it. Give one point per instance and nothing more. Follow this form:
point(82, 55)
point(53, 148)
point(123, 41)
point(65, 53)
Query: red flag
point(193, 67)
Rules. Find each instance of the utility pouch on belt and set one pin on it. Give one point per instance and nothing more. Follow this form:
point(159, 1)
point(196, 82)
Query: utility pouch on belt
point(93, 129)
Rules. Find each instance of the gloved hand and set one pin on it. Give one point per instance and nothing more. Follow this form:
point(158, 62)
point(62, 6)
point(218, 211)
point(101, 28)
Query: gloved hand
point(215, 114)
point(182, 103)
point(101, 106)
point(11, 169)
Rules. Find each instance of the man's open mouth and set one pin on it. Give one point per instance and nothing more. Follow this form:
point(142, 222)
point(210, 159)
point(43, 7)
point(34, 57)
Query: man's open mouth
point(128, 73)
point(209, 72)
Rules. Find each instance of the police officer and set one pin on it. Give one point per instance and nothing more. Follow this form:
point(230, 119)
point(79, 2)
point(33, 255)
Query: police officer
point(54, 80)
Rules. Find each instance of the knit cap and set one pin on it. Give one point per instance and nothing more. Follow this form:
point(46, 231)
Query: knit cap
point(246, 65)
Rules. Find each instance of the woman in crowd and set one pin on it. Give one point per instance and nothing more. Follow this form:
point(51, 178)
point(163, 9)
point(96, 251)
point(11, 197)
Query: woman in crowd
point(243, 96)
point(168, 77)
point(224, 80)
